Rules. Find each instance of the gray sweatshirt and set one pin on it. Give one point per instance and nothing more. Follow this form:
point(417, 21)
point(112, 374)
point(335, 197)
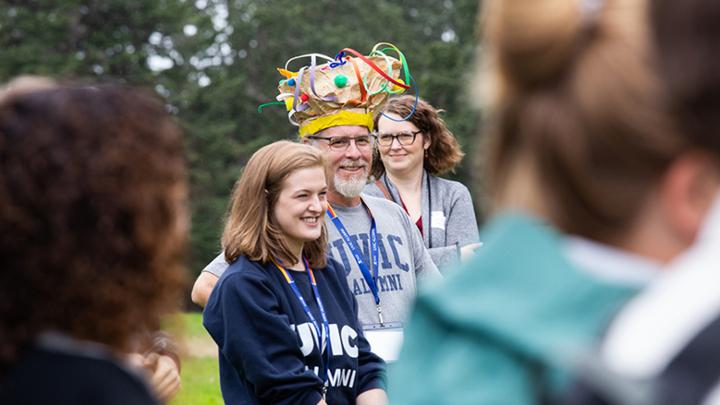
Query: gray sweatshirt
point(448, 217)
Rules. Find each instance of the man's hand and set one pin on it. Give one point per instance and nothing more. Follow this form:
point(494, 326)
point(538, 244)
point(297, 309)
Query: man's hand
point(165, 375)
point(468, 251)
point(375, 396)
point(162, 372)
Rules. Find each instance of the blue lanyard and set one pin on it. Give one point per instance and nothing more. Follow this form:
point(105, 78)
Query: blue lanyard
point(326, 326)
point(370, 278)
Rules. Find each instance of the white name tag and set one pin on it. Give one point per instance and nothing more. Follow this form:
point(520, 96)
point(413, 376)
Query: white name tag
point(386, 343)
point(437, 220)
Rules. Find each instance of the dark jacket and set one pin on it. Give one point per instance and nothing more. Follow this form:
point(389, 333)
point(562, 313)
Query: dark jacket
point(268, 347)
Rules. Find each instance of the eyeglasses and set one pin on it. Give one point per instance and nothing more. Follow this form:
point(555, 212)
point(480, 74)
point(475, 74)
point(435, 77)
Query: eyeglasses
point(341, 143)
point(403, 138)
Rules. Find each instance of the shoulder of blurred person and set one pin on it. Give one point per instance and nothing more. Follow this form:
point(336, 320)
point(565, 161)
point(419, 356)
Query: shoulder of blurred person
point(667, 335)
point(73, 372)
point(498, 329)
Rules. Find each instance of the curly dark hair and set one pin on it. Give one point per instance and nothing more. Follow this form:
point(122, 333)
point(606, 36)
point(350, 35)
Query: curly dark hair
point(92, 215)
point(444, 152)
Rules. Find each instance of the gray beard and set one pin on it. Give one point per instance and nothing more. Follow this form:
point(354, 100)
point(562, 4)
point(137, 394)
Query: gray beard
point(350, 188)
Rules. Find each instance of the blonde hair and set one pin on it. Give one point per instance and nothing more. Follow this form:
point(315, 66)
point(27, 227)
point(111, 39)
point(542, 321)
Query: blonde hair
point(576, 104)
point(250, 228)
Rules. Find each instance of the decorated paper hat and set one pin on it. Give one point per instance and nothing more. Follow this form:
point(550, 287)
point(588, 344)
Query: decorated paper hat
point(346, 90)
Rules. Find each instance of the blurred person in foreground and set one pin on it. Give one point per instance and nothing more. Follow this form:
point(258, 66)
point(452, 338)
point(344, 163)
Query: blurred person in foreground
point(282, 315)
point(92, 236)
point(594, 190)
point(154, 352)
point(414, 148)
point(663, 347)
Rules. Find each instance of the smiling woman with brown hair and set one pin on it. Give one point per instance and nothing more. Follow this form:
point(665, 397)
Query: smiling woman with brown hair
point(92, 236)
point(282, 314)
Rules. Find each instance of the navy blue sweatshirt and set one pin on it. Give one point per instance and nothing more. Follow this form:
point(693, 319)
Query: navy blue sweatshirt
point(268, 346)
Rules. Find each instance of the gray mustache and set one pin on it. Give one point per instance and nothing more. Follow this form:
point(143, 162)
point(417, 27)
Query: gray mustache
point(352, 163)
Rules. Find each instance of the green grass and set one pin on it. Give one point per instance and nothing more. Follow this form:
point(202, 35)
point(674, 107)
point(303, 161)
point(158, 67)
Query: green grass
point(193, 325)
point(199, 375)
point(200, 382)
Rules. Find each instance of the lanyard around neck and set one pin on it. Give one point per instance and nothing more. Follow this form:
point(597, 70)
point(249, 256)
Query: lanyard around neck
point(429, 193)
point(370, 278)
point(325, 332)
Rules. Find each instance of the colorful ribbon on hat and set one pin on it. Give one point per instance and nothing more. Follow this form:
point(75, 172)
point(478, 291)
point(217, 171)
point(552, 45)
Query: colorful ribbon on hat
point(297, 101)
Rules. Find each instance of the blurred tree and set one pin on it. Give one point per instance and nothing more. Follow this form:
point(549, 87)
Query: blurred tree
point(214, 61)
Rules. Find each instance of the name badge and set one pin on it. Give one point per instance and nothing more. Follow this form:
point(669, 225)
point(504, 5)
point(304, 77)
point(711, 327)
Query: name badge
point(386, 343)
point(437, 220)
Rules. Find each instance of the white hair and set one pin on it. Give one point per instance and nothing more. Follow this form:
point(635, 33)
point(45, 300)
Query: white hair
point(351, 187)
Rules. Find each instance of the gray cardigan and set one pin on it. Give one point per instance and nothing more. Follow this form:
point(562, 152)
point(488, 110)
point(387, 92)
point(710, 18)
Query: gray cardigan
point(448, 217)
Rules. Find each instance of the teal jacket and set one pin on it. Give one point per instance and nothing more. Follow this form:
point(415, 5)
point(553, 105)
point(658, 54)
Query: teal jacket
point(503, 330)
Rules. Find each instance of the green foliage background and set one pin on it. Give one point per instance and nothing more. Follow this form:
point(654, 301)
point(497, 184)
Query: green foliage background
point(219, 64)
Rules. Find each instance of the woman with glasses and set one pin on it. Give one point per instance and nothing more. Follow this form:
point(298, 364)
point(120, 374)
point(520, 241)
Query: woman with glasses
point(413, 152)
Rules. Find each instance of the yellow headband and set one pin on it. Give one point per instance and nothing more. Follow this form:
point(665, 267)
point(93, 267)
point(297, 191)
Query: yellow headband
point(342, 117)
